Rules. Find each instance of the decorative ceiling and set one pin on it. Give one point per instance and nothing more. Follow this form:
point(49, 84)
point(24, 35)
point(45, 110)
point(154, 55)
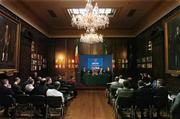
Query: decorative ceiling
point(130, 15)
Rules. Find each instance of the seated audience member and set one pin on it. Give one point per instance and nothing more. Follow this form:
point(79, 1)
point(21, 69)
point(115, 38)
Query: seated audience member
point(113, 88)
point(71, 81)
point(175, 108)
point(121, 80)
point(132, 82)
point(154, 84)
point(25, 83)
point(30, 86)
point(143, 93)
point(49, 82)
point(146, 79)
point(126, 91)
point(41, 88)
point(16, 87)
point(61, 80)
point(37, 81)
point(160, 91)
point(115, 84)
point(54, 92)
point(6, 89)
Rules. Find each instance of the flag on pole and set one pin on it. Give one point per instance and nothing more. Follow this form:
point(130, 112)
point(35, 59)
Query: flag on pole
point(76, 58)
point(105, 49)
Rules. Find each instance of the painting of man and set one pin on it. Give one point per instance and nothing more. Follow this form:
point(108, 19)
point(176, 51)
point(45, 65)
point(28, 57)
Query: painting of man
point(6, 40)
point(173, 40)
point(8, 43)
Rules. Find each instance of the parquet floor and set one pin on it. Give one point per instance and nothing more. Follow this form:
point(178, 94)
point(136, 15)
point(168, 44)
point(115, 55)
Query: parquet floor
point(90, 104)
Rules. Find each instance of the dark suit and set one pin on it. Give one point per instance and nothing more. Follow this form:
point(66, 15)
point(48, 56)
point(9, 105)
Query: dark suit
point(17, 89)
point(160, 95)
point(144, 98)
point(160, 91)
point(40, 90)
point(6, 91)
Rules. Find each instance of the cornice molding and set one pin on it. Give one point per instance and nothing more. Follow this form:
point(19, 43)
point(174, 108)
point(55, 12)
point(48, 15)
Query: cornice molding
point(24, 14)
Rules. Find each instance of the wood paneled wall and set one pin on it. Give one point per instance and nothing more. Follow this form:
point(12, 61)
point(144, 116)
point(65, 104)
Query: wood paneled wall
point(155, 33)
point(27, 35)
point(118, 47)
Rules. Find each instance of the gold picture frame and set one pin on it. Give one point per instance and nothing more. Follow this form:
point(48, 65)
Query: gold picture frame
point(172, 51)
point(9, 43)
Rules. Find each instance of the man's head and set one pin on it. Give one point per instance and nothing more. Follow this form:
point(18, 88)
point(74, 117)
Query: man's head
point(5, 81)
point(43, 81)
point(160, 82)
point(17, 80)
point(116, 78)
point(49, 80)
point(57, 85)
point(126, 84)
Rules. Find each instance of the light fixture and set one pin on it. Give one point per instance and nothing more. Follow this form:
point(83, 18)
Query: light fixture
point(91, 37)
point(90, 17)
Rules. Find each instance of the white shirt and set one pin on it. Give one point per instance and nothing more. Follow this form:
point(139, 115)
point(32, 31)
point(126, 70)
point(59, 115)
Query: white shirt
point(121, 80)
point(55, 93)
point(29, 87)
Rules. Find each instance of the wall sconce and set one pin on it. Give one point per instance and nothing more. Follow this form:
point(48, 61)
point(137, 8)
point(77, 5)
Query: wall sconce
point(60, 61)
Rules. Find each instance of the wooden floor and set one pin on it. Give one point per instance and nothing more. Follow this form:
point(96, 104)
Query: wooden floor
point(90, 104)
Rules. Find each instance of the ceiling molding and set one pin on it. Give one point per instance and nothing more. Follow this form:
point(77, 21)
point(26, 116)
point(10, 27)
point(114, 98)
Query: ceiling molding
point(155, 16)
point(19, 10)
point(106, 33)
point(25, 14)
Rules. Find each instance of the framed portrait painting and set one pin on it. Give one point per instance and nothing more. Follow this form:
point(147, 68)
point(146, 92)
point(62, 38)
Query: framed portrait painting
point(9, 43)
point(172, 44)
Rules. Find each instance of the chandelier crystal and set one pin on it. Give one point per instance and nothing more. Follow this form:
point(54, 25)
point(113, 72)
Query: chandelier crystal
point(91, 37)
point(90, 18)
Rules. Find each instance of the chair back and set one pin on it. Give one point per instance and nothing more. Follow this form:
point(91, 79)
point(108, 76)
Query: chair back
point(37, 100)
point(125, 102)
point(54, 101)
point(22, 99)
point(7, 100)
point(160, 101)
point(144, 100)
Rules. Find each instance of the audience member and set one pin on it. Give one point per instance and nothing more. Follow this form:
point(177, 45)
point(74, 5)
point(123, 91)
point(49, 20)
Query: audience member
point(126, 91)
point(6, 89)
point(16, 87)
point(41, 88)
point(121, 80)
point(143, 94)
point(25, 83)
point(54, 92)
point(49, 82)
point(30, 86)
point(160, 91)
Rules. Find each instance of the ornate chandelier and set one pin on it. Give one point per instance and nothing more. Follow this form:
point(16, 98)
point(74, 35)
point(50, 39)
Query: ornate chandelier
point(90, 18)
point(91, 37)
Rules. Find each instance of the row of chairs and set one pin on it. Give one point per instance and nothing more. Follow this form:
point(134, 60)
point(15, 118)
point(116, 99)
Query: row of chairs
point(134, 104)
point(32, 102)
